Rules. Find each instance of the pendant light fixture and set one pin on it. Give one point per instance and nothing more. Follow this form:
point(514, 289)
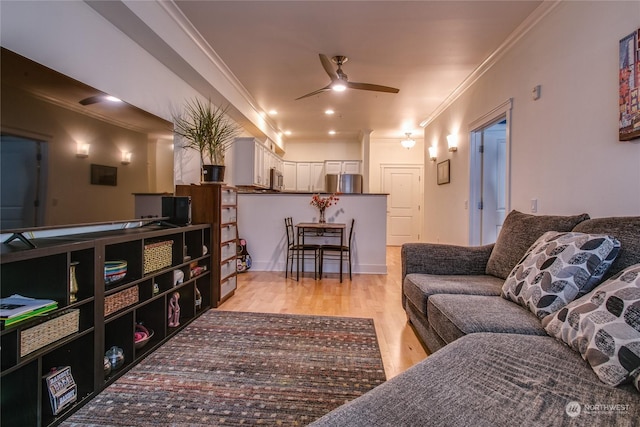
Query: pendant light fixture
point(408, 142)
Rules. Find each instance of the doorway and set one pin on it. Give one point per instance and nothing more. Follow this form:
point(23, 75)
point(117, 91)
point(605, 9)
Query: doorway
point(490, 195)
point(403, 184)
point(22, 183)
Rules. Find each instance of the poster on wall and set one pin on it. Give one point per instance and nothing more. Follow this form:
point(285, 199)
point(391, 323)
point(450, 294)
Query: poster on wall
point(629, 127)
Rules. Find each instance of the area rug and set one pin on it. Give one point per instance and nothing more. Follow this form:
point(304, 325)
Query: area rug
point(234, 368)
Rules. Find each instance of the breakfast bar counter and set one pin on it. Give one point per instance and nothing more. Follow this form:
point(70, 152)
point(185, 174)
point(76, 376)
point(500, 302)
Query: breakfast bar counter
point(261, 223)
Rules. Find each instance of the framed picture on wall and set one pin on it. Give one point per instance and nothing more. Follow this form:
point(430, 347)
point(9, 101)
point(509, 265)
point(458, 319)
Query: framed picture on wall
point(104, 175)
point(443, 172)
point(629, 89)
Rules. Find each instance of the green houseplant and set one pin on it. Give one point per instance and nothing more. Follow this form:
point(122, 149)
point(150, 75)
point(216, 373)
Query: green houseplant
point(206, 128)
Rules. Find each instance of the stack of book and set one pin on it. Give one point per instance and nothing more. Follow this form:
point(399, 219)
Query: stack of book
point(17, 308)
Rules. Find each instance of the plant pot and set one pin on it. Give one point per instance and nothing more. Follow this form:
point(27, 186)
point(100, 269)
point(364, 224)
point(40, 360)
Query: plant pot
point(213, 173)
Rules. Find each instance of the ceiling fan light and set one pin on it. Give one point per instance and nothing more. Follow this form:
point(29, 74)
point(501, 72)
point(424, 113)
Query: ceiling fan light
point(339, 86)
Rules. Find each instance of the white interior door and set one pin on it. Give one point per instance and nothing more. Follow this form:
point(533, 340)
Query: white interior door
point(404, 186)
point(489, 187)
point(22, 192)
point(493, 182)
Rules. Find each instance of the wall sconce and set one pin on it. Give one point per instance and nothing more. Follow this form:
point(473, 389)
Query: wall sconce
point(452, 142)
point(433, 153)
point(408, 142)
point(82, 150)
point(126, 157)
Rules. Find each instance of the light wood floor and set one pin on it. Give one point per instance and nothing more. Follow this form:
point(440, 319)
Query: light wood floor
point(374, 296)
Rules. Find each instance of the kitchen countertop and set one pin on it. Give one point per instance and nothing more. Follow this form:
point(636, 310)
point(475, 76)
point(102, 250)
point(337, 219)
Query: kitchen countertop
point(307, 193)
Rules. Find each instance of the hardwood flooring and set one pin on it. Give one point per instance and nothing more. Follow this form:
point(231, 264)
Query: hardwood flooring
point(376, 296)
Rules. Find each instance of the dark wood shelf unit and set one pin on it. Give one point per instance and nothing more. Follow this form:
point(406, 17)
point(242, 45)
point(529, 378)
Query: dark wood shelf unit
point(216, 204)
point(44, 272)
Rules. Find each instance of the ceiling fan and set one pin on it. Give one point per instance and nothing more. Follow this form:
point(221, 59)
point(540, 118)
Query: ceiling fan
point(339, 80)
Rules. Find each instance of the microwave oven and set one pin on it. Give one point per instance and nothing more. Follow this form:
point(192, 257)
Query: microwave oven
point(276, 180)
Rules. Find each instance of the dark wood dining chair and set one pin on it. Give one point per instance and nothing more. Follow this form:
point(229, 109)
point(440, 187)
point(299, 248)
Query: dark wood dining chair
point(306, 251)
point(337, 252)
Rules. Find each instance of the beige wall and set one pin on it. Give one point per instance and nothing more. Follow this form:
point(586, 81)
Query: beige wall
point(70, 196)
point(565, 151)
point(390, 152)
point(319, 151)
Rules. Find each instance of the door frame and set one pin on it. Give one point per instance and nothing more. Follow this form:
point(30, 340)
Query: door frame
point(420, 167)
point(502, 111)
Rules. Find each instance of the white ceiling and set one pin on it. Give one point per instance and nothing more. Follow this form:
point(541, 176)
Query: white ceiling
point(424, 48)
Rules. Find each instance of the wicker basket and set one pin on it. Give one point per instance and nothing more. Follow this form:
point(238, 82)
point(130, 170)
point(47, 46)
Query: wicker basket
point(49, 332)
point(120, 300)
point(157, 256)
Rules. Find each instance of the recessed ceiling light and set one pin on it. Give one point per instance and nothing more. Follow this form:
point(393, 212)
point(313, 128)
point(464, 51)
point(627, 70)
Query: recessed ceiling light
point(287, 132)
point(329, 112)
point(332, 132)
point(112, 98)
point(273, 112)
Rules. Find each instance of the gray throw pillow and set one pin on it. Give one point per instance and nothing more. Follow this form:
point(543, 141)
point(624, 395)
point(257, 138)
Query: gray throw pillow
point(604, 327)
point(558, 268)
point(519, 231)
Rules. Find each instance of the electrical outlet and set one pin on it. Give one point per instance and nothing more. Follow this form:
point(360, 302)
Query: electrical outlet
point(534, 205)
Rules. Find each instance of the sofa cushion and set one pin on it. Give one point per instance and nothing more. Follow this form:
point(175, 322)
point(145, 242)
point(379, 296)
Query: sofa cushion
point(492, 380)
point(604, 327)
point(626, 230)
point(419, 287)
point(558, 268)
point(454, 316)
point(519, 231)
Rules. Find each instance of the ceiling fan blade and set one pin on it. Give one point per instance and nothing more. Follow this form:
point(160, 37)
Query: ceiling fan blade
point(367, 86)
point(92, 100)
point(328, 67)
point(324, 89)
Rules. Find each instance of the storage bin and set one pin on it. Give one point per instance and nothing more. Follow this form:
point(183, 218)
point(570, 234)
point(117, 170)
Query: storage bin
point(157, 256)
point(120, 300)
point(228, 268)
point(228, 250)
point(228, 286)
point(228, 215)
point(228, 233)
point(48, 332)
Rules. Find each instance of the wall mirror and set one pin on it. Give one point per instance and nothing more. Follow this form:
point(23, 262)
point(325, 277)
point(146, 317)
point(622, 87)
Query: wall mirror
point(53, 129)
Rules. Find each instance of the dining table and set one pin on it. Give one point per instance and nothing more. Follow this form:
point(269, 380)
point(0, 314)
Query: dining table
point(334, 230)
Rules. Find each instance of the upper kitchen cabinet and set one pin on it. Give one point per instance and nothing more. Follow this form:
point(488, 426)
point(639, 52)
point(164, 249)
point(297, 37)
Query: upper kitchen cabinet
point(337, 167)
point(310, 176)
point(289, 171)
point(252, 163)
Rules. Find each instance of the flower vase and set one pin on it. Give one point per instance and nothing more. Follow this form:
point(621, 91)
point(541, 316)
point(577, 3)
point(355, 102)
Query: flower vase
point(73, 282)
point(322, 220)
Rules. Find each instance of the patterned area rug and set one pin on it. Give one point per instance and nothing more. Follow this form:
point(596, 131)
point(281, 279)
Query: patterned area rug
point(231, 368)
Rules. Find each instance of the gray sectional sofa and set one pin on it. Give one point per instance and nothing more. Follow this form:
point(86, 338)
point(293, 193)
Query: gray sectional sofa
point(500, 359)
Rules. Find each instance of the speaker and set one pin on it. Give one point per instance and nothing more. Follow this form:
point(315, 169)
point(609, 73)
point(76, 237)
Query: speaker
point(178, 209)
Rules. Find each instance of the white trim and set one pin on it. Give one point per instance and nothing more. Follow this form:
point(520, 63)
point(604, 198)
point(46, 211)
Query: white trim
point(475, 165)
point(530, 22)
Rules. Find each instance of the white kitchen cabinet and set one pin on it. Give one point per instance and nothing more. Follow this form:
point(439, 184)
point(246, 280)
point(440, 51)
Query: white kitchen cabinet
point(289, 171)
point(317, 176)
point(253, 162)
point(337, 167)
point(351, 166)
point(303, 176)
point(333, 167)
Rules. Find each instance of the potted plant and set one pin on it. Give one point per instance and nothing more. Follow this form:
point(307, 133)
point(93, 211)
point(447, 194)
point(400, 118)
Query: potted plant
point(207, 129)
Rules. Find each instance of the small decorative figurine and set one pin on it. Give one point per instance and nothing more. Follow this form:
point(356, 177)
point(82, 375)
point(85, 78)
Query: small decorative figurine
point(174, 310)
point(73, 283)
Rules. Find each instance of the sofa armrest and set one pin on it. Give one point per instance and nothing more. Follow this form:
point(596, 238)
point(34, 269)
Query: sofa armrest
point(432, 258)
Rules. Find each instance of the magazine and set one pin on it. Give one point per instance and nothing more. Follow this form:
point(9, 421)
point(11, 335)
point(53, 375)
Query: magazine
point(17, 305)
